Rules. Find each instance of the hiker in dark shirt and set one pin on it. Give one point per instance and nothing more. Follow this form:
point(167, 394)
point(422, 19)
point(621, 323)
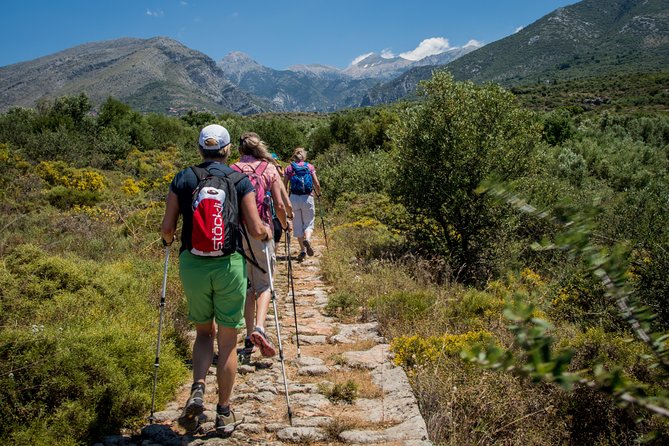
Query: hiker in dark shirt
point(215, 286)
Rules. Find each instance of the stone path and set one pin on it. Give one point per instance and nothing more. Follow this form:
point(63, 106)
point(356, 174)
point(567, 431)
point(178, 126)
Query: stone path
point(384, 412)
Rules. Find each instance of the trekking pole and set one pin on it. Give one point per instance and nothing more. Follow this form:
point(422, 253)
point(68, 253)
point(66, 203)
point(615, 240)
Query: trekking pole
point(152, 418)
point(278, 332)
point(323, 222)
point(292, 289)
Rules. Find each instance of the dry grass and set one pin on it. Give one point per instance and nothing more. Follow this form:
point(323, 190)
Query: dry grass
point(366, 388)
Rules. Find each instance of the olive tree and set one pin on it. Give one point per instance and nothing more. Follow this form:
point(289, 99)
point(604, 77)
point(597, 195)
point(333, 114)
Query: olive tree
point(447, 144)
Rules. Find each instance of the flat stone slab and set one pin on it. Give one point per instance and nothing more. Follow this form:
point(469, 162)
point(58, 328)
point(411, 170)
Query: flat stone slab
point(301, 434)
point(368, 359)
point(362, 437)
point(243, 369)
point(312, 340)
point(311, 421)
point(302, 388)
point(308, 360)
point(315, 328)
point(166, 415)
point(313, 370)
point(310, 401)
point(351, 333)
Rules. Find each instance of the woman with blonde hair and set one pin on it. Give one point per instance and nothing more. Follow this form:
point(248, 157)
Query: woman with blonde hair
point(301, 177)
point(259, 165)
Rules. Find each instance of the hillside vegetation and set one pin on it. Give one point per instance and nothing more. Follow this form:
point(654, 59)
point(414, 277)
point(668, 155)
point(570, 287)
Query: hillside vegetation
point(473, 228)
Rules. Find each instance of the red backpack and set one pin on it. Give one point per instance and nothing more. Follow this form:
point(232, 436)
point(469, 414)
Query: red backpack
point(215, 214)
point(260, 184)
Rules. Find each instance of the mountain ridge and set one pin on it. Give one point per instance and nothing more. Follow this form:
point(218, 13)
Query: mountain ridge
point(149, 74)
point(592, 37)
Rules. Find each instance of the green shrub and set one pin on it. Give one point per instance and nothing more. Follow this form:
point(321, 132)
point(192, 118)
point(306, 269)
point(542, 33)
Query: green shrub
point(65, 198)
point(403, 308)
point(446, 146)
point(370, 239)
point(346, 392)
point(362, 173)
point(77, 360)
point(342, 304)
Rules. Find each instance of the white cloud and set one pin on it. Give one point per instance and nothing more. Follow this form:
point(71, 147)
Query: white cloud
point(428, 47)
point(360, 57)
point(154, 13)
point(183, 3)
point(387, 54)
point(518, 29)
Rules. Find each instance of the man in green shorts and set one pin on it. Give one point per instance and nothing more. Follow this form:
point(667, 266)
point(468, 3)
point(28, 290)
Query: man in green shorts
point(214, 281)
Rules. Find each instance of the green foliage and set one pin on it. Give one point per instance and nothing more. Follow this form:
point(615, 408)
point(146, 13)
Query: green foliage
point(448, 144)
point(415, 351)
point(350, 173)
point(69, 112)
point(364, 130)
point(64, 198)
point(619, 92)
point(346, 392)
point(342, 304)
point(75, 361)
point(403, 308)
point(371, 238)
point(282, 135)
point(198, 119)
point(558, 127)
point(611, 268)
point(320, 141)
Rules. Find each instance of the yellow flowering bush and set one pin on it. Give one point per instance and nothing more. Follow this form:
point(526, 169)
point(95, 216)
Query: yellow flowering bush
point(95, 213)
point(415, 351)
point(154, 168)
point(59, 173)
point(530, 277)
point(130, 187)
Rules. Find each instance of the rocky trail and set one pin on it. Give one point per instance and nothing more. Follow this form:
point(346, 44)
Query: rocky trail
point(332, 354)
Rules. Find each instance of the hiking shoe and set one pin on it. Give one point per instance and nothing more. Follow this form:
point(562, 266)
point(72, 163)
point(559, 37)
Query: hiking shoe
point(301, 256)
point(310, 250)
point(246, 351)
point(225, 424)
point(194, 407)
point(260, 339)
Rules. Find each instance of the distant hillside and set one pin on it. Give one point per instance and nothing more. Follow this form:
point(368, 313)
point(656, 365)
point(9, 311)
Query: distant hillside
point(590, 38)
point(319, 88)
point(312, 88)
point(157, 74)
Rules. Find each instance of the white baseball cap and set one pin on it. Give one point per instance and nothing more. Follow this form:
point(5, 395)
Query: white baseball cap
point(214, 137)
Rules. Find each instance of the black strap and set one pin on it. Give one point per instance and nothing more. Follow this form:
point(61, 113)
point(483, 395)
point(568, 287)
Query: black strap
point(200, 172)
point(253, 261)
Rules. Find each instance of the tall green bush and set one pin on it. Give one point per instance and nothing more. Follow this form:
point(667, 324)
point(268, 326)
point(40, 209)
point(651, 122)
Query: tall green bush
point(447, 145)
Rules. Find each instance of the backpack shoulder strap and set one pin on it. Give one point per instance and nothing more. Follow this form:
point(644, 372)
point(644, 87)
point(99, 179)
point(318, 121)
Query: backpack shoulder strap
point(236, 167)
point(236, 177)
point(263, 163)
point(200, 172)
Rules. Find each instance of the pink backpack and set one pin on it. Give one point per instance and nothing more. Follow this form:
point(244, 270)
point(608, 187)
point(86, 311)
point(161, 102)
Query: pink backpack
point(260, 184)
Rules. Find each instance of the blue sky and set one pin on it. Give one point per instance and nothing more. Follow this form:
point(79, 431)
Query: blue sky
point(275, 33)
